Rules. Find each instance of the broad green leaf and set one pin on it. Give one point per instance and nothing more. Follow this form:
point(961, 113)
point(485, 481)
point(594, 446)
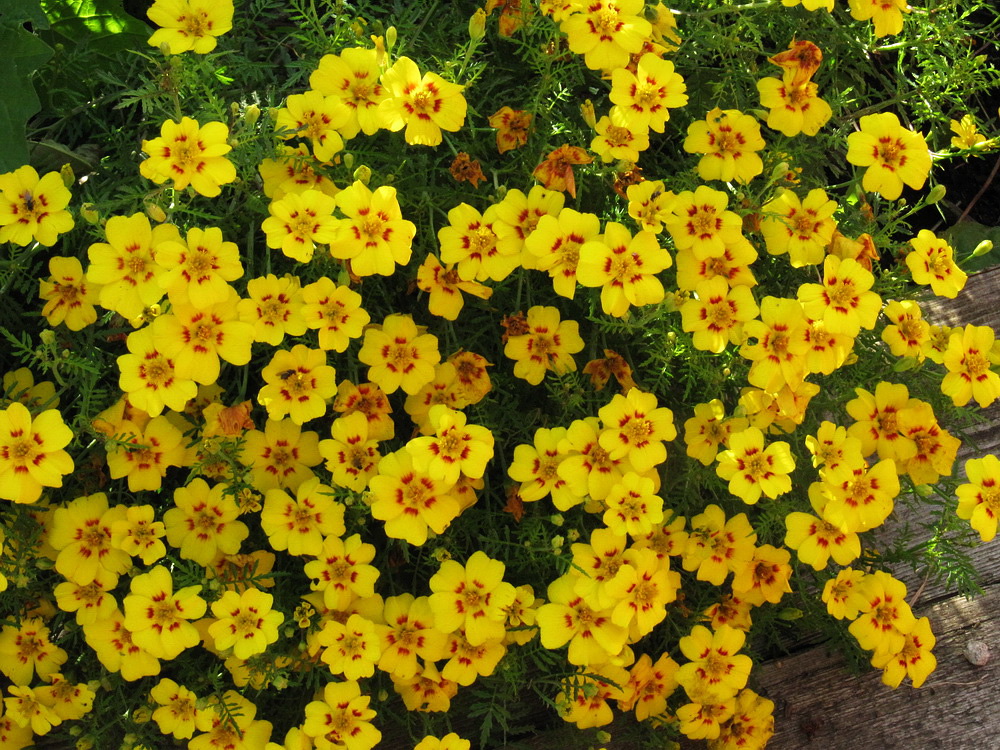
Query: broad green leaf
point(22, 54)
point(13, 13)
point(103, 24)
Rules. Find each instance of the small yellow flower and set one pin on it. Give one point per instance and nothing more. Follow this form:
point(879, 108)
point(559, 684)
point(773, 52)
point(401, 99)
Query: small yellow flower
point(190, 24)
point(547, 344)
point(190, 154)
point(399, 354)
point(893, 154)
point(729, 141)
point(33, 207)
point(158, 617)
point(298, 384)
point(424, 105)
point(245, 622)
point(966, 133)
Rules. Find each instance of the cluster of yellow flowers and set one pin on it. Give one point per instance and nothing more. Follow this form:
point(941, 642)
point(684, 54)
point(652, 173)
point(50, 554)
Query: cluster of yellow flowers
point(176, 290)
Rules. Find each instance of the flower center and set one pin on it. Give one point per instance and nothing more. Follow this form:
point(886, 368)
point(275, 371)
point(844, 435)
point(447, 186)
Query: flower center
point(272, 311)
point(976, 364)
point(842, 294)
point(197, 24)
point(890, 150)
point(185, 155)
point(164, 612)
point(424, 101)
point(199, 262)
point(618, 135)
point(371, 227)
point(22, 450)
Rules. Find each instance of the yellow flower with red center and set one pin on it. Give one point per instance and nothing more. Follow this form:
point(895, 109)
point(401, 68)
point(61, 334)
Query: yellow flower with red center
point(145, 453)
point(408, 634)
point(801, 228)
point(112, 643)
point(793, 108)
point(517, 216)
point(454, 449)
point(202, 524)
point(647, 95)
point(703, 718)
point(618, 138)
point(587, 466)
point(536, 468)
point(445, 288)
point(371, 401)
point(699, 222)
point(584, 699)
point(831, 446)
point(932, 261)
point(649, 686)
point(473, 597)
point(298, 384)
point(374, 237)
point(69, 701)
point(231, 727)
point(649, 203)
point(274, 308)
point(33, 207)
point(81, 533)
point(138, 535)
point(979, 498)
point(893, 154)
point(196, 271)
point(548, 343)
point(293, 171)
point(31, 452)
point(177, 708)
point(399, 354)
point(411, 502)
point(281, 456)
point(341, 571)
point(844, 301)
point(914, 659)
point(350, 648)
point(717, 546)
point(190, 25)
point(752, 722)
point(606, 32)
point(633, 507)
point(635, 428)
point(157, 616)
point(27, 650)
point(351, 454)
point(245, 622)
point(336, 311)
point(815, 540)
point(843, 595)
point(352, 76)
point(625, 268)
point(877, 417)
point(885, 618)
point(190, 154)
point(936, 448)
point(968, 358)
point(300, 221)
point(69, 296)
point(729, 141)
point(316, 117)
point(752, 469)
point(708, 429)
point(717, 314)
point(764, 578)
point(91, 601)
point(26, 709)
point(908, 332)
point(512, 126)
point(569, 618)
point(300, 524)
point(554, 247)
point(733, 265)
point(556, 170)
point(342, 717)
point(424, 105)
point(471, 244)
point(779, 355)
point(854, 496)
point(715, 670)
point(149, 377)
point(887, 15)
point(126, 265)
point(641, 591)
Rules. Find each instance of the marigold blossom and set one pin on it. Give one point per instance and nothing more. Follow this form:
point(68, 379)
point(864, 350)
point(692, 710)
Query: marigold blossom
point(969, 357)
point(893, 154)
point(374, 237)
point(979, 498)
point(606, 32)
point(752, 469)
point(274, 307)
point(31, 452)
point(190, 154)
point(157, 616)
point(245, 622)
point(27, 650)
point(33, 207)
point(729, 141)
point(202, 524)
point(300, 524)
point(300, 221)
point(424, 105)
point(316, 117)
point(352, 76)
point(932, 261)
point(298, 384)
point(190, 25)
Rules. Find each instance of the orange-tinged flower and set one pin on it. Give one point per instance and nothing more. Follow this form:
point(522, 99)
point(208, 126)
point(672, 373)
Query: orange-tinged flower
point(465, 169)
point(702, 718)
point(300, 524)
point(601, 369)
point(31, 452)
point(893, 154)
point(512, 126)
point(716, 316)
point(625, 268)
point(932, 261)
point(802, 58)
point(157, 616)
point(190, 25)
point(399, 354)
point(371, 401)
point(649, 686)
point(844, 301)
point(411, 502)
point(202, 524)
point(548, 344)
point(424, 105)
point(298, 384)
point(316, 117)
point(556, 170)
point(606, 32)
point(352, 76)
point(190, 154)
point(33, 207)
point(374, 237)
point(245, 622)
point(729, 141)
point(715, 670)
point(968, 359)
point(274, 308)
point(979, 498)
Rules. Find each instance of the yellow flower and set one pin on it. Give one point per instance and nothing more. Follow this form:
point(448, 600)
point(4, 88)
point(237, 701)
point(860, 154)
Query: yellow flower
point(342, 718)
point(202, 524)
point(646, 96)
point(618, 138)
point(411, 501)
point(374, 237)
point(350, 648)
point(733, 265)
point(470, 243)
point(293, 171)
point(717, 314)
point(352, 77)
point(730, 141)
point(979, 498)
point(33, 207)
point(893, 154)
point(606, 32)
point(138, 535)
point(149, 377)
point(27, 650)
point(177, 708)
point(408, 633)
point(815, 541)
point(190, 24)
point(536, 468)
point(69, 297)
point(717, 546)
point(793, 108)
point(472, 597)
point(886, 618)
point(231, 728)
point(197, 270)
point(753, 716)
point(649, 686)
point(69, 701)
point(245, 622)
point(371, 401)
point(31, 452)
point(779, 355)
point(26, 708)
point(936, 447)
point(914, 658)
point(424, 105)
point(300, 221)
point(966, 133)
point(699, 222)
point(764, 578)
point(190, 154)
point(708, 429)
point(352, 453)
point(450, 741)
point(299, 525)
point(298, 384)
point(157, 616)
point(554, 247)
point(932, 261)
point(445, 288)
point(801, 228)
point(854, 497)
point(81, 533)
point(115, 649)
point(281, 456)
point(625, 268)
point(399, 354)
point(843, 595)
point(844, 301)
point(887, 15)
point(274, 308)
point(548, 343)
point(316, 117)
point(908, 332)
point(968, 357)
point(341, 571)
point(568, 618)
point(877, 419)
point(715, 671)
point(752, 469)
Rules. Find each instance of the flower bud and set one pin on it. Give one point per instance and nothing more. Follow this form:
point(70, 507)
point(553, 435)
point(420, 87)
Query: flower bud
point(348, 160)
point(155, 213)
point(67, 174)
point(477, 25)
point(88, 212)
point(251, 114)
point(936, 193)
point(982, 248)
point(587, 112)
point(604, 737)
point(390, 38)
point(556, 519)
point(557, 543)
point(142, 715)
point(364, 174)
point(47, 337)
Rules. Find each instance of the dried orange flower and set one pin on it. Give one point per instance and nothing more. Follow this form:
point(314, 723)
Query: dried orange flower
point(512, 128)
point(464, 169)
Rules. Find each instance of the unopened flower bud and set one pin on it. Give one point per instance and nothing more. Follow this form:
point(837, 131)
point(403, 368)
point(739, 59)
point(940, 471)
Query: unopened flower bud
point(47, 337)
point(156, 213)
point(348, 159)
point(89, 213)
point(604, 737)
point(390, 38)
point(982, 248)
point(779, 172)
point(251, 114)
point(142, 715)
point(477, 25)
point(363, 174)
point(936, 193)
point(556, 519)
point(557, 543)
point(587, 112)
point(67, 174)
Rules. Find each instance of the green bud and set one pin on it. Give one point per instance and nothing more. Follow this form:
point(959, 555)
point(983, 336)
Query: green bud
point(936, 194)
point(906, 363)
point(390, 38)
point(982, 248)
point(556, 519)
point(348, 159)
point(47, 337)
point(790, 613)
point(251, 114)
point(67, 174)
point(604, 737)
point(477, 25)
point(88, 212)
point(363, 174)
